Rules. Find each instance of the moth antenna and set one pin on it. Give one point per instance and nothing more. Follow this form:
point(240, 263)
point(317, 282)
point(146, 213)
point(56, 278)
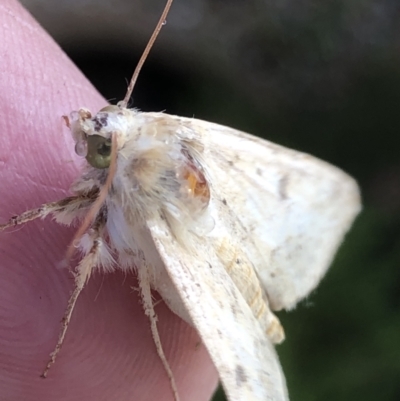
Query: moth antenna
point(98, 203)
point(150, 43)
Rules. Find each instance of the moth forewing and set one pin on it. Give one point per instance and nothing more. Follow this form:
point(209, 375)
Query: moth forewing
point(243, 355)
point(239, 190)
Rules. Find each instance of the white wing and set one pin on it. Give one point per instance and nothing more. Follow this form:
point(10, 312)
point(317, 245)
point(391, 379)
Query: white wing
point(245, 359)
point(294, 208)
point(287, 212)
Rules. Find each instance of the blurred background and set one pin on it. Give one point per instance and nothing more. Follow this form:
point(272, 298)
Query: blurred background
point(320, 77)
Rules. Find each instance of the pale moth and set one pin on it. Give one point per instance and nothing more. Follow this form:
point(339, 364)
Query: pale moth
point(225, 226)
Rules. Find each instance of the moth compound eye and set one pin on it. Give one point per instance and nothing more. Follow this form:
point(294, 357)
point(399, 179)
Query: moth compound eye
point(98, 151)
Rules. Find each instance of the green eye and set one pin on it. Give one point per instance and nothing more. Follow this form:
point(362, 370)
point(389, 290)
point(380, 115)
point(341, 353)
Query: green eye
point(98, 151)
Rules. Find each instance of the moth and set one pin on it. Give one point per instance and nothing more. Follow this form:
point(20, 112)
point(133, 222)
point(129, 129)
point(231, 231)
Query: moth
point(228, 228)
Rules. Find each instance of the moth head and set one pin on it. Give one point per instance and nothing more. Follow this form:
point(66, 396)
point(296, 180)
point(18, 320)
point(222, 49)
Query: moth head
point(93, 134)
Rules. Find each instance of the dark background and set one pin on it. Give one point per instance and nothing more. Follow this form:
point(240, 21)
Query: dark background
point(320, 77)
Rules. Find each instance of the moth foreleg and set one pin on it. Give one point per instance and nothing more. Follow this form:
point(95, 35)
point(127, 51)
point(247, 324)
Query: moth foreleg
point(148, 305)
point(62, 209)
point(82, 274)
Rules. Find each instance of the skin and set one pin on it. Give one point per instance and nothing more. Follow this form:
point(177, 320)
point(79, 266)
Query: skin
point(108, 353)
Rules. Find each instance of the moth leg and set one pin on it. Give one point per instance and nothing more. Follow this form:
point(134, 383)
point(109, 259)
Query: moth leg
point(144, 284)
point(81, 275)
point(63, 206)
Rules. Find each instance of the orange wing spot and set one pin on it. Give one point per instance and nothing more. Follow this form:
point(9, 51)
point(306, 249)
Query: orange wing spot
point(196, 184)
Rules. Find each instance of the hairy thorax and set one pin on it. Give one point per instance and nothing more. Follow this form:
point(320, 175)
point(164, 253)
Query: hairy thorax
point(159, 173)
